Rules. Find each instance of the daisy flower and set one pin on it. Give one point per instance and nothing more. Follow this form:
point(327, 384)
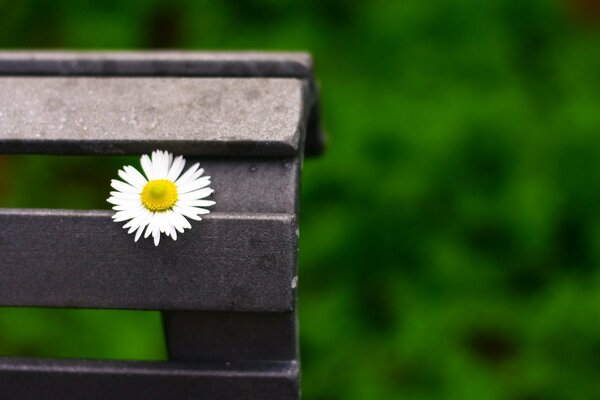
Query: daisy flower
point(163, 200)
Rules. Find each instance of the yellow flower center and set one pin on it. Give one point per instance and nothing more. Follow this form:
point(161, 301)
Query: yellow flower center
point(159, 195)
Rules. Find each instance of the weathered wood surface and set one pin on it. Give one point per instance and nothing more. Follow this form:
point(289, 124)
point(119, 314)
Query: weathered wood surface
point(34, 379)
point(227, 287)
point(227, 262)
point(253, 185)
point(190, 116)
point(175, 64)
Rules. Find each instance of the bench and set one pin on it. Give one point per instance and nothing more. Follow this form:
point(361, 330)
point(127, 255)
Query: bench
point(226, 289)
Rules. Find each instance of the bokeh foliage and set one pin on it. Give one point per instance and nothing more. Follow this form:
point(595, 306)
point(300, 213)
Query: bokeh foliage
point(449, 236)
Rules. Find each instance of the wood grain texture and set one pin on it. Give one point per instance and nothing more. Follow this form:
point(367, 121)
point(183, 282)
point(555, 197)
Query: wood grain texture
point(227, 262)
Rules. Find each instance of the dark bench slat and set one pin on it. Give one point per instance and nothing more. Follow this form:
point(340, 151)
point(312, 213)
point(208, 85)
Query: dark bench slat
point(34, 379)
point(230, 336)
point(191, 116)
point(228, 262)
point(157, 63)
point(253, 185)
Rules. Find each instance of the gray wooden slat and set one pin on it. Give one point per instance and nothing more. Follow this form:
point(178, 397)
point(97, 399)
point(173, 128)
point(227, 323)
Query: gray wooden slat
point(34, 379)
point(254, 185)
point(227, 262)
point(191, 116)
point(230, 336)
point(157, 63)
point(173, 63)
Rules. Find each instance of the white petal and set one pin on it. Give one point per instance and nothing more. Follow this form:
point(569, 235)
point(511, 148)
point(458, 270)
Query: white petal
point(123, 175)
point(123, 187)
point(155, 167)
point(139, 233)
point(196, 195)
point(150, 226)
point(156, 232)
point(188, 174)
point(194, 185)
point(193, 177)
point(147, 167)
point(176, 169)
point(167, 158)
point(165, 164)
point(186, 211)
point(131, 179)
point(120, 214)
point(167, 222)
point(156, 164)
point(160, 162)
point(121, 195)
point(126, 207)
point(125, 215)
point(163, 224)
point(170, 159)
point(142, 219)
point(196, 203)
point(117, 201)
point(135, 175)
point(179, 221)
point(197, 210)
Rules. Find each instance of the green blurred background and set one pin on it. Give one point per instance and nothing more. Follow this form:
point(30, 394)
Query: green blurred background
point(449, 245)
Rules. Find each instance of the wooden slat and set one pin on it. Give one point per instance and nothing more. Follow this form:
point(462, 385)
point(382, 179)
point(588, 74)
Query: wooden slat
point(191, 116)
point(34, 379)
point(227, 262)
point(174, 63)
point(230, 336)
point(253, 185)
point(157, 63)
